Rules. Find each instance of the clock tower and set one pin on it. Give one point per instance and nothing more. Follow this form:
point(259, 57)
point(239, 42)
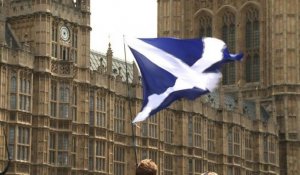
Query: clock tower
point(56, 33)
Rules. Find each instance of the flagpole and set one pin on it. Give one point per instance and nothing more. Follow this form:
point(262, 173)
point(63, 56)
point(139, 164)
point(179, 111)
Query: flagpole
point(129, 105)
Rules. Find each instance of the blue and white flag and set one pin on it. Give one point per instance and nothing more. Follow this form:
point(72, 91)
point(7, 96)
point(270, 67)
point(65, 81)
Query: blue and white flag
point(175, 68)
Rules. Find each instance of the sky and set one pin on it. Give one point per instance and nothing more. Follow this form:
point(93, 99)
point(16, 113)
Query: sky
point(113, 19)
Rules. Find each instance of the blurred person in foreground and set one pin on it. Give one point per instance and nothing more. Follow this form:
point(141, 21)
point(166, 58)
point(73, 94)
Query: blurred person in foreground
point(146, 167)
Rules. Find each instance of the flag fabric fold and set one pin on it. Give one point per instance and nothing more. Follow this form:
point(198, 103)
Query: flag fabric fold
point(177, 68)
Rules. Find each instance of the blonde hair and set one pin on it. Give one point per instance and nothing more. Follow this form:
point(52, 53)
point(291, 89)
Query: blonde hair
point(146, 167)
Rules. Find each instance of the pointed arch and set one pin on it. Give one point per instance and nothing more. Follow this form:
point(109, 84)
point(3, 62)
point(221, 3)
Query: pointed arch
point(13, 90)
point(248, 4)
point(225, 8)
point(227, 27)
point(204, 23)
point(251, 20)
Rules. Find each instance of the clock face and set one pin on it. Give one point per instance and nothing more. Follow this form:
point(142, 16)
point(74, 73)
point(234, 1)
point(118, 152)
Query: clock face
point(64, 33)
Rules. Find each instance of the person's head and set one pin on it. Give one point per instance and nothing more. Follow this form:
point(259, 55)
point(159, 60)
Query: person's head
point(146, 167)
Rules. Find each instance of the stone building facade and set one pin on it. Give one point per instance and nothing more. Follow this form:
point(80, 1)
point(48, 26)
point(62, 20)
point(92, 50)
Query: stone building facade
point(267, 32)
point(66, 110)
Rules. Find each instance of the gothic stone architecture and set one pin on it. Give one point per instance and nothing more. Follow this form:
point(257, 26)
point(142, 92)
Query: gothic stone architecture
point(67, 110)
point(267, 31)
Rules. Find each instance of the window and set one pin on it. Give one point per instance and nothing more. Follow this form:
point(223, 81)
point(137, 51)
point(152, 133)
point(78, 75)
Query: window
point(269, 149)
point(63, 146)
point(176, 15)
point(63, 100)
point(25, 91)
point(149, 154)
point(169, 127)
point(23, 143)
point(119, 119)
point(197, 131)
point(74, 38)
point(64, 53)
point(166, 16)
point(54, 40)
point(54, 50)
point(91, 108)
point(228, 35)
point(205, 26)
point(91, 154)
point(168, 165)
point(237, 171)
point(13, 91)
point(54, 31)
point(144, 154)
point(119, 161)
point(3, 83)
point(234, 142)
point(153, 155)
point(64, 92)
point(211, 166)
point(190, 169)
point(230, 140)
point(52, 146)
point(195, 167)
point(272, 150)
point(248, 146)
point(252, 61)
point(2, 138)
point(231, 170)
point(53, 99)
point(74, 104)
point(73, 151)
point(150, 127)
point(194, 131)
point(11, 141)
point(100, 156)
point(101, 110)
point(190, 131)
point(266, 149)
point(58, 148)
point(211, 139)
point(199, 166)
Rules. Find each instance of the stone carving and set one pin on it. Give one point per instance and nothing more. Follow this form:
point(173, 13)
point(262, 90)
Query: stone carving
point(203, 4)
point(65, 68)
point(226, 2)
point(54, 67)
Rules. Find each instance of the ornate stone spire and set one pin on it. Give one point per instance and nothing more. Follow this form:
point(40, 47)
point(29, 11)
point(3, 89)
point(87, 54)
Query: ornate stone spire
point(109, 57)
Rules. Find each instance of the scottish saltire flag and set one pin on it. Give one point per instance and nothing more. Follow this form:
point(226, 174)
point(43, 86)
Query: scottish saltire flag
point(175, 68)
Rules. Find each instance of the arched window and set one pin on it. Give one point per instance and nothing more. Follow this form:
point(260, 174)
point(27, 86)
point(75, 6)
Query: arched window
point(64, 101)
point(169, 127)
point(228, 36)
point(13, 91)
point(252, 45)
point(53, 100)
point(119, 118)
point(205, 26)
point(24, 91)
point(13, 84)
point(54, 39)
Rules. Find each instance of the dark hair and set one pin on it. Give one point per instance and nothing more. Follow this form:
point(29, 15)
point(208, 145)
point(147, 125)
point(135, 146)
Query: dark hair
point(146, 167)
